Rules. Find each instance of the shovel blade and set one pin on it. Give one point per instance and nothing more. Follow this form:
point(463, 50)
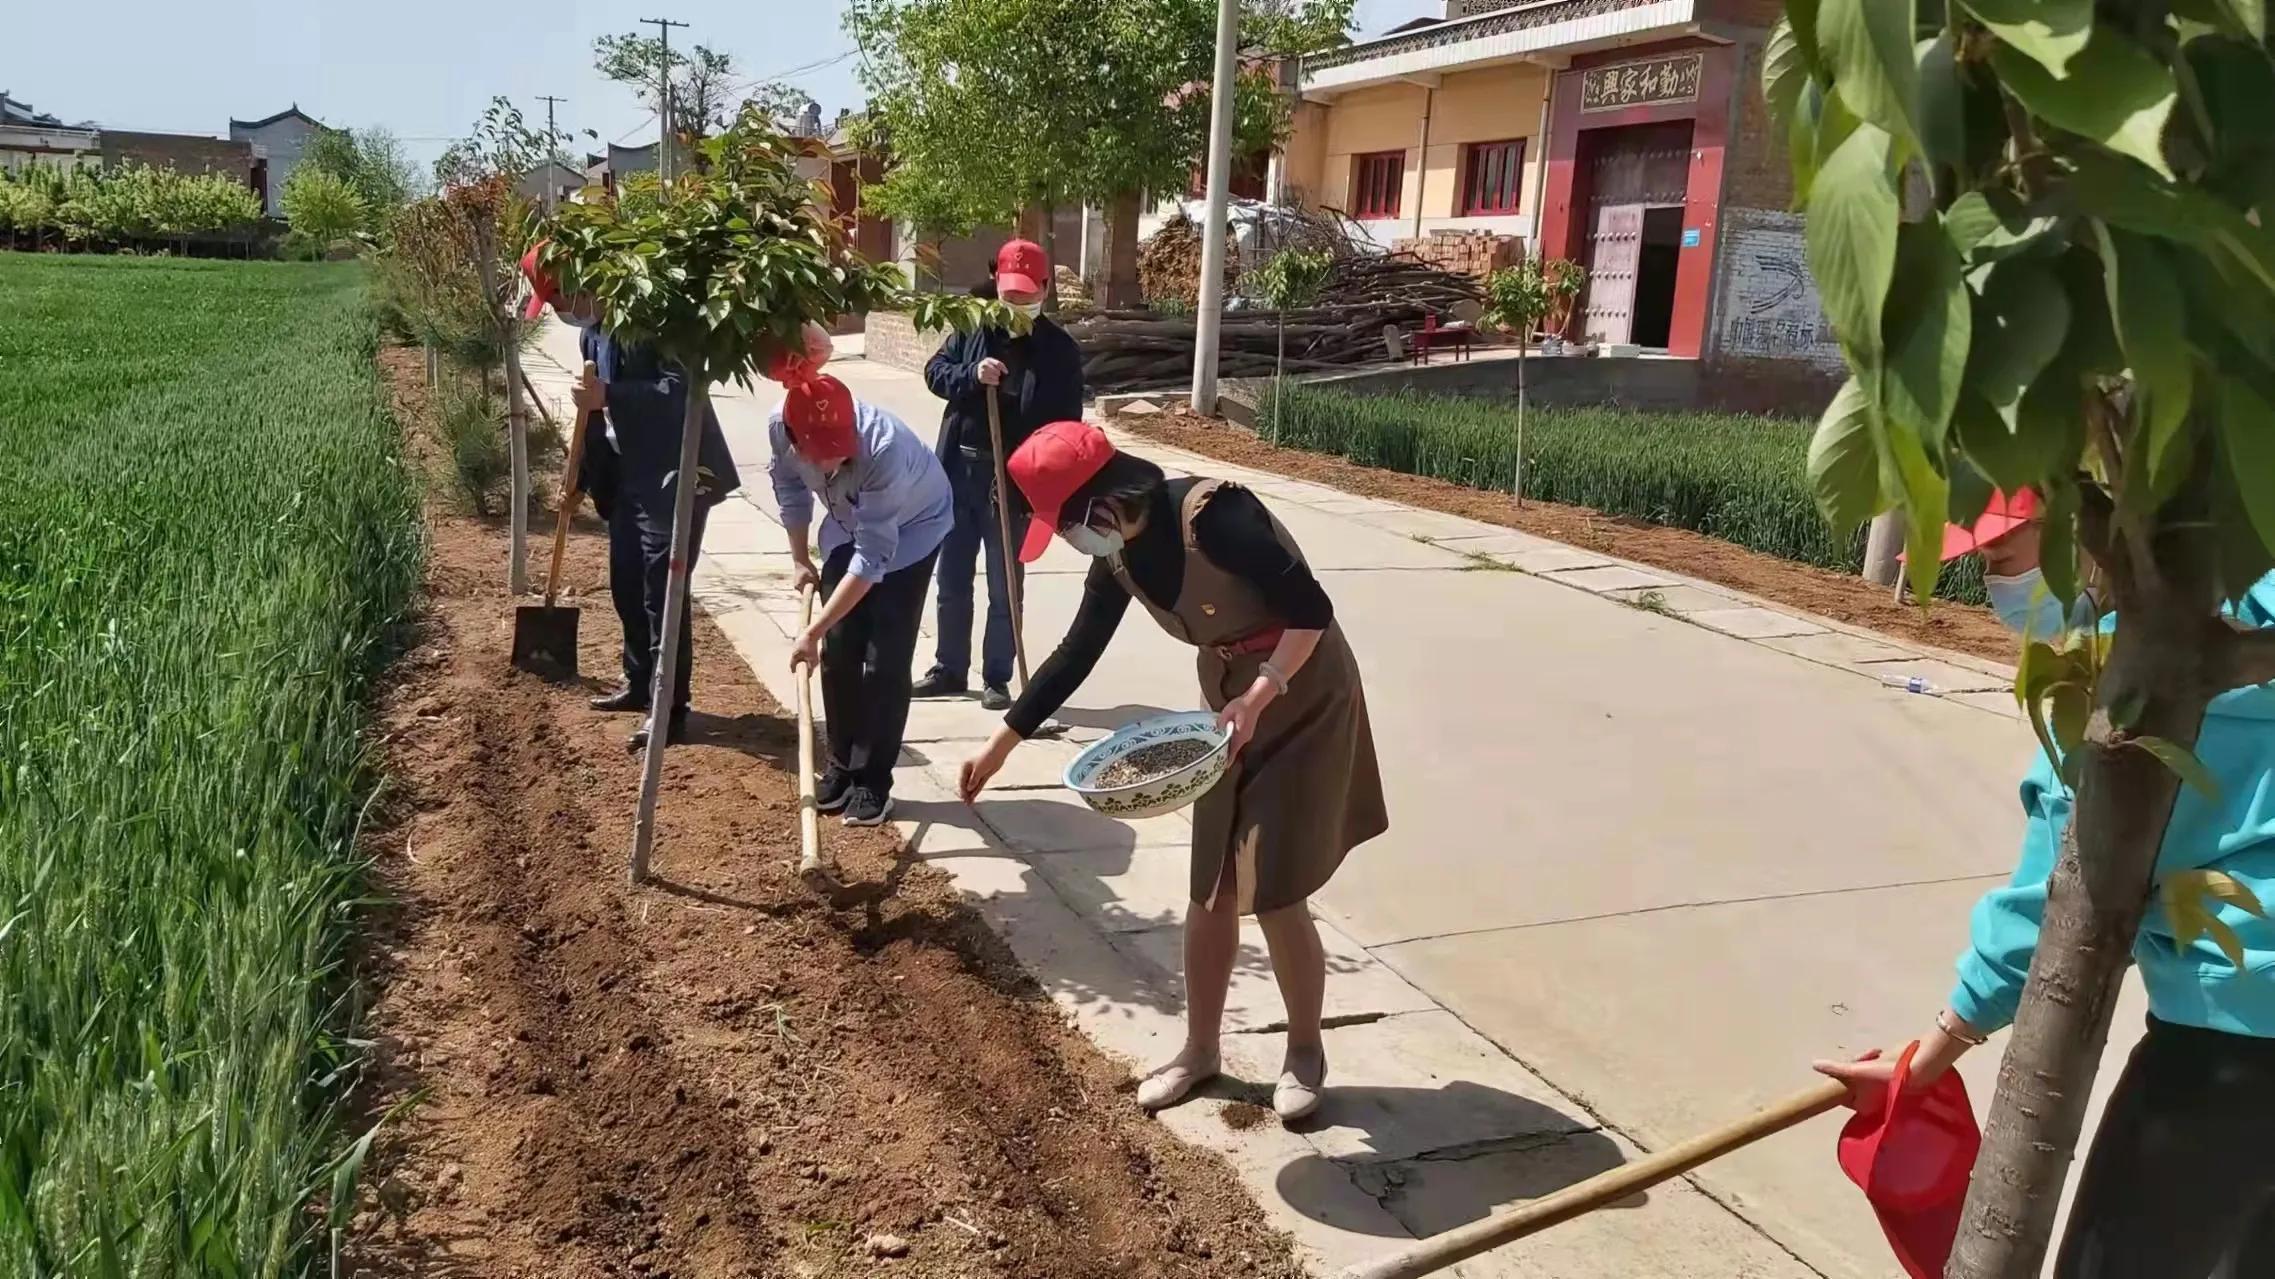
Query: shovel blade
point(545, 640)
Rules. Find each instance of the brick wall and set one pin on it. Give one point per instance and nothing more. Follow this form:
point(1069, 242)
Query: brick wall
point(181, 152)
point(892, 340)
point(1471, 253)
point(1756, 171)
point(1781, 388)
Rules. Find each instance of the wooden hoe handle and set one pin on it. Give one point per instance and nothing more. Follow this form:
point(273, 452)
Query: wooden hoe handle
point(1439, 1251)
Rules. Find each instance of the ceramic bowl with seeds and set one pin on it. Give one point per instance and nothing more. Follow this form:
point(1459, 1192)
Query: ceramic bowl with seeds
point(1154, 766)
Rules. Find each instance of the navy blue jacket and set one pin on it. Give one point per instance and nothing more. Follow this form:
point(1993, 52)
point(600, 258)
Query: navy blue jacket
point(647, 405)
point(1043, 385)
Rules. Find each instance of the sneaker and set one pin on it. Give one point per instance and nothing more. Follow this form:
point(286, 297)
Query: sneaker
point(834, 789)
point(626, 698)
point(865, 807)
point(939, 683)
point(675, 733)
point(995, 697)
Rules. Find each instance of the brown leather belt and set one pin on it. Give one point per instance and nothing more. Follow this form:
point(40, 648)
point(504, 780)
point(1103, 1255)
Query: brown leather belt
point(1263, 641)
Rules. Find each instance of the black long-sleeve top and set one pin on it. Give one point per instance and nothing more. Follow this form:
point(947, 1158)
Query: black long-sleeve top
point(1236, 534)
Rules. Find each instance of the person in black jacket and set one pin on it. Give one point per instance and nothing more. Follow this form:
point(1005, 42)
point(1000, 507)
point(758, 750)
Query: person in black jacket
point(630, 468)
point(1038, 378)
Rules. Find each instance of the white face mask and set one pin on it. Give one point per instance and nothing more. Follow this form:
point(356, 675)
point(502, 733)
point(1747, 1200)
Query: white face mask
point(582, 318)
point(1028, 309)
point(1093, 543)
point(2026, 606)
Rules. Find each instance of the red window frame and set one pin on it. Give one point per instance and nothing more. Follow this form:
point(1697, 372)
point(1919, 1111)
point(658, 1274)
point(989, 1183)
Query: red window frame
point(1493, 177)
point(1378, 182)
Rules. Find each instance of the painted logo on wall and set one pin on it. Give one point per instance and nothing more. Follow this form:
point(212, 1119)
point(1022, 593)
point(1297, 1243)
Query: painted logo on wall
point(1769, 305)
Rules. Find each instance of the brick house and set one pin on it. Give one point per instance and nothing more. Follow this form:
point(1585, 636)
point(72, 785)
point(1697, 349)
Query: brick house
point(1629, 135)
point(186, 153)
point(278, 139)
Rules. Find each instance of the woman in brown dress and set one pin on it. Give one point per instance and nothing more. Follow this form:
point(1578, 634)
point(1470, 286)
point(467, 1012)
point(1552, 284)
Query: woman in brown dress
point(1218, 572)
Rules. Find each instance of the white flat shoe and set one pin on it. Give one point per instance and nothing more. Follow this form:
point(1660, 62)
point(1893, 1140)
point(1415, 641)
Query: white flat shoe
point(1171, 1083)
point(1297, 1094)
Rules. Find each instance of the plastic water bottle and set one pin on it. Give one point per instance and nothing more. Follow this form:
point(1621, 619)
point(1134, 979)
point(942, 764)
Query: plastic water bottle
point(1908, 683)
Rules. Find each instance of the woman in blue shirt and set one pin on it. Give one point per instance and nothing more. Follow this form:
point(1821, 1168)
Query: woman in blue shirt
point(2180, 1181)
point(884, 508)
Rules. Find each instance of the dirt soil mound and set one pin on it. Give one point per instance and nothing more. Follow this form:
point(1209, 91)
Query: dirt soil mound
point(723, 1075)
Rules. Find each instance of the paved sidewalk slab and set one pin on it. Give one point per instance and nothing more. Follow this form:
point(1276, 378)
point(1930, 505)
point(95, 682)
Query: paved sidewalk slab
point(1617, 577)
point(1682, 600)
point(1755, 623)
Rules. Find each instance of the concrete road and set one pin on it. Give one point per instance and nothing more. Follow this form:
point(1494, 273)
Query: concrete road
point(1653, 848)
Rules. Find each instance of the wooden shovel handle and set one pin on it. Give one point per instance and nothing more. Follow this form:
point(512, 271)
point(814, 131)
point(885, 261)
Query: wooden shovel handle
point(809, 811)
point(569, 494)
point(1439, 1251)
point(1003, 525)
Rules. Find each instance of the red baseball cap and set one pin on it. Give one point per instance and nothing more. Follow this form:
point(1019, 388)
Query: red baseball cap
point(542, 288)
point(1052, 463)
point(1021, 266)
point(819, 412)
point(2005, 514)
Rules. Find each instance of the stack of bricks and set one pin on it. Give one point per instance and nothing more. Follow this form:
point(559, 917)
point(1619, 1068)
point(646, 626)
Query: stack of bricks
point(1476, 254)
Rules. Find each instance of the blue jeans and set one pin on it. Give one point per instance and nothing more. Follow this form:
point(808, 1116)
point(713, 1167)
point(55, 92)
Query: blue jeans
point(977, 528)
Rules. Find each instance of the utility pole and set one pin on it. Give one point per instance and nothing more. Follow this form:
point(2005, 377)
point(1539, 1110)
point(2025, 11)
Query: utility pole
point(1208, 318)
point(552, 145)
point(663, 143)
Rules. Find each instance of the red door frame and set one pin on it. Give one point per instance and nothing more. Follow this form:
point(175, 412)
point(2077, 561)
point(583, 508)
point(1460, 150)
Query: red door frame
point(1563, 228)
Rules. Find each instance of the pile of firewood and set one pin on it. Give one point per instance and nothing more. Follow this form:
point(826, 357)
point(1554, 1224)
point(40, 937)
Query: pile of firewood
point(1365, 293)
point(1169, 263)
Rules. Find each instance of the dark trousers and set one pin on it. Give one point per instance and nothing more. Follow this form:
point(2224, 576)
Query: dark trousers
point(865, 670)
point(977, 528)
point(639, 568)
point(2180, 1183)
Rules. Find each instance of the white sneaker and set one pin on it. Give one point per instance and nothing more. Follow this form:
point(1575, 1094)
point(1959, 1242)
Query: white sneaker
point(1169, 1085)
point(1302, 1079)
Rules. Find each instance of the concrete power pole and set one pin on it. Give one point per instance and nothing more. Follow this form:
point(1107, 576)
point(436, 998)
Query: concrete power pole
point(663, 143)
point(1208, 317)
point(552, 145)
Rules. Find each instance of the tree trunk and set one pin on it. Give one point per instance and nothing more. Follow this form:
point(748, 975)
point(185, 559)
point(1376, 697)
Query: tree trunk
point(1121, 287)
point(517, 436)
point(676, 620)
point(2097, 894)
point(1279, 375)
point(1519, 486)
point(1032, 220)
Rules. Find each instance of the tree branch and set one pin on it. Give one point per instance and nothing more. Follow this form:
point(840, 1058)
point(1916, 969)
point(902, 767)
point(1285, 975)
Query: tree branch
point(2249, 660)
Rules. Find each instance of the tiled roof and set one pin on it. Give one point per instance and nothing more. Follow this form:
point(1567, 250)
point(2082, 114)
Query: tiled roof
point(1517, 17)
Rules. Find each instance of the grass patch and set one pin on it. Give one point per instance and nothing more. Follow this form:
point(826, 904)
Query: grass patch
point(1741, 479)
point(207, 533)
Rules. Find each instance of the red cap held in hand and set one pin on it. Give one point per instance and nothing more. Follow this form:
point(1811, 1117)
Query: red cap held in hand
point(542, 289)
point(819, 412)
point(1021, 266)
point(1052, 463)
point(1912, 1159)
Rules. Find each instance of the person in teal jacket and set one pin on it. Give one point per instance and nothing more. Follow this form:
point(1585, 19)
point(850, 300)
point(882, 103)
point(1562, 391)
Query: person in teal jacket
point(2180, 1180)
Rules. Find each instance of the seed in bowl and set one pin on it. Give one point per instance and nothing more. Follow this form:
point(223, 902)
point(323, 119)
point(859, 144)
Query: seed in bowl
point(1148, 762)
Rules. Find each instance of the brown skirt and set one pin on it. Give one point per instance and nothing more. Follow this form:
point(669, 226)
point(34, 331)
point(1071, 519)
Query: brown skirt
point(1305, 791)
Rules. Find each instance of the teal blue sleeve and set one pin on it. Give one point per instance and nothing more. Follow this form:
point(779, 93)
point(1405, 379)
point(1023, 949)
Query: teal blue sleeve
point(2005, 933)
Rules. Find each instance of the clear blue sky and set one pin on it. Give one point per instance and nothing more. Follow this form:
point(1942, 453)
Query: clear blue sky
point(425, 69)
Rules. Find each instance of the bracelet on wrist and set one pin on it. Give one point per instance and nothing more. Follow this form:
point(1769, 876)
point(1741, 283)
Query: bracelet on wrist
point(1948, 1023)
point(1272, 675)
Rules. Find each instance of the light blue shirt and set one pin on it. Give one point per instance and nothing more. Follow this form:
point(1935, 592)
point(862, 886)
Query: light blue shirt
point(890, 499)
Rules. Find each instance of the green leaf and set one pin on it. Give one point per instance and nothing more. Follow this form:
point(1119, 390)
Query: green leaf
point(2022, 317)
point(2114, 93)
point(1867, 46)
point(1930, 322)
point(1844, 462)
point(1943, 118)
point(1820, 124)
point(2072, 707)
point(2152, 327)
point(2187, 896)
point(2246, 18)
point(2050, 32)
point(1926, 496)
point(1988, 439)
point(1785, 70)
point(1852, 236)
point(2057, 540)
point(2182, 762)
point(2247, 429)
point(1986, 233)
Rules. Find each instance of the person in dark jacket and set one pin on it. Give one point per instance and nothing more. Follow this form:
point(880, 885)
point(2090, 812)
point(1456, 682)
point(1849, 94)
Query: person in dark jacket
point(630, 468)
point(1038, 379)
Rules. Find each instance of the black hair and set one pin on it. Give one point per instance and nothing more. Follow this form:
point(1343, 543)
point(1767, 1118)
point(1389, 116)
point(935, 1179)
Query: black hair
point(1128, 481)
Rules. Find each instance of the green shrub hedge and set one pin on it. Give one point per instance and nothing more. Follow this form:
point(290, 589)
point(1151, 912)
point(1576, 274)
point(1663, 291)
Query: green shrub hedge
point(1741, 479)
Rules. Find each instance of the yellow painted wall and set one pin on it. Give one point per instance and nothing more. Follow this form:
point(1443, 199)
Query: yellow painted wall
point(1494, 104)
